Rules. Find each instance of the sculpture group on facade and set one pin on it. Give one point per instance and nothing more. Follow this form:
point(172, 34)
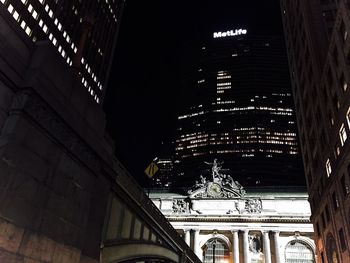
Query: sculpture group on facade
point(221, 185)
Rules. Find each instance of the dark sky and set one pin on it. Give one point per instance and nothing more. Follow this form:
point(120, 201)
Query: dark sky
point(155, 45)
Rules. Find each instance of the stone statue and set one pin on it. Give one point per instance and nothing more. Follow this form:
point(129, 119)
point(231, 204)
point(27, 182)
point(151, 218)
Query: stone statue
point(221, 186)
point(215, 169)
point(254, 244)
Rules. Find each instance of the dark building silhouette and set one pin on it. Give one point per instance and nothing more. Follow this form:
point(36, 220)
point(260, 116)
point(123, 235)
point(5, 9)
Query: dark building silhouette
point(318, 44)
point(242, 113)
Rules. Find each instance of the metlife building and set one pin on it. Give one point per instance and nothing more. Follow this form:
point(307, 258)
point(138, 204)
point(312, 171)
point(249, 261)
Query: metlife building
point(242, 114)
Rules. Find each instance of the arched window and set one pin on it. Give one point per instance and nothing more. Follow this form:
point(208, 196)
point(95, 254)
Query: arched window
point(299, 252)
point(331, 246)
point(215, 251)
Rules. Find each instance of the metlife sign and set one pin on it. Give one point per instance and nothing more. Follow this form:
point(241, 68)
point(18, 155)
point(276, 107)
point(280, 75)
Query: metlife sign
point(230, 33)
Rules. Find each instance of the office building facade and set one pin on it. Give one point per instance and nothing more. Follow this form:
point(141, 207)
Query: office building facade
point(83, 33)
point(242, 113)
point(318, 45)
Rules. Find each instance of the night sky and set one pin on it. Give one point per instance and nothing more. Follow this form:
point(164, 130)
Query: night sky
point(154, 53)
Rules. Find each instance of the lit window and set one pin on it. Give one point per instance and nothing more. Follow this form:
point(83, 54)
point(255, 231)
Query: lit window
point(24, 2)
point(342, 134)
point(35, 15)
point(15, 15)
point(348, 117)
point(50, 36)
point(328, 167)
point(23, 24)
point(10, 8)
point(3, 1)
point(59, 26)
point(42, 1)
point(28, 31)
point(51, 14)
point(54, 41)
point(41, 22)
point(47, 8)
point(45, 29)
point(30, 8)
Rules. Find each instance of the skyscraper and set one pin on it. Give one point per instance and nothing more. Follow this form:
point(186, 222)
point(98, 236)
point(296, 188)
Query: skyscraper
point(243, 112)
point(54, 60)
point(83, 32)
point(318, 45)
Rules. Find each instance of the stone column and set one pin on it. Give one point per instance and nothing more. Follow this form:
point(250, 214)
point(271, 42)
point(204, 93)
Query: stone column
point(235, 246)
point(277, 246)
point(196, 248)
point(187, 236)
point(246, 246)
point(267, 249)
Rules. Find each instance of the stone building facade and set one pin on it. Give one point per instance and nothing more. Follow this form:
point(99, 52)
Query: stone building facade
point(223, 222)
point(318, 45)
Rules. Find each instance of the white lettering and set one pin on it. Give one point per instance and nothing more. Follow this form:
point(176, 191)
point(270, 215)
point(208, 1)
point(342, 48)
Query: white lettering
point(217, 34)
point(236, 32)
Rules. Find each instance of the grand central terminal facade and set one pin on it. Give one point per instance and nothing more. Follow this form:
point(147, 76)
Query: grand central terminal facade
point(224, 223)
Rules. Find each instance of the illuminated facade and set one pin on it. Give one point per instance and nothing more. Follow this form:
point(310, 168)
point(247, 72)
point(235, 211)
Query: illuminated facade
point(83, 33)
point(243, 113)
point(223, 222)
point(318, 51)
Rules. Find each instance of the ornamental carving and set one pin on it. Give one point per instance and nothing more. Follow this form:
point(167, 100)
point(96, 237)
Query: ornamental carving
point(180, 206)
point(253, 206)
point(220, 186)
point(246, 206)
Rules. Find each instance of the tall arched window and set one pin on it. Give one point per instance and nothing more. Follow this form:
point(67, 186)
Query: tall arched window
point(215, 251)
point(299, 252)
